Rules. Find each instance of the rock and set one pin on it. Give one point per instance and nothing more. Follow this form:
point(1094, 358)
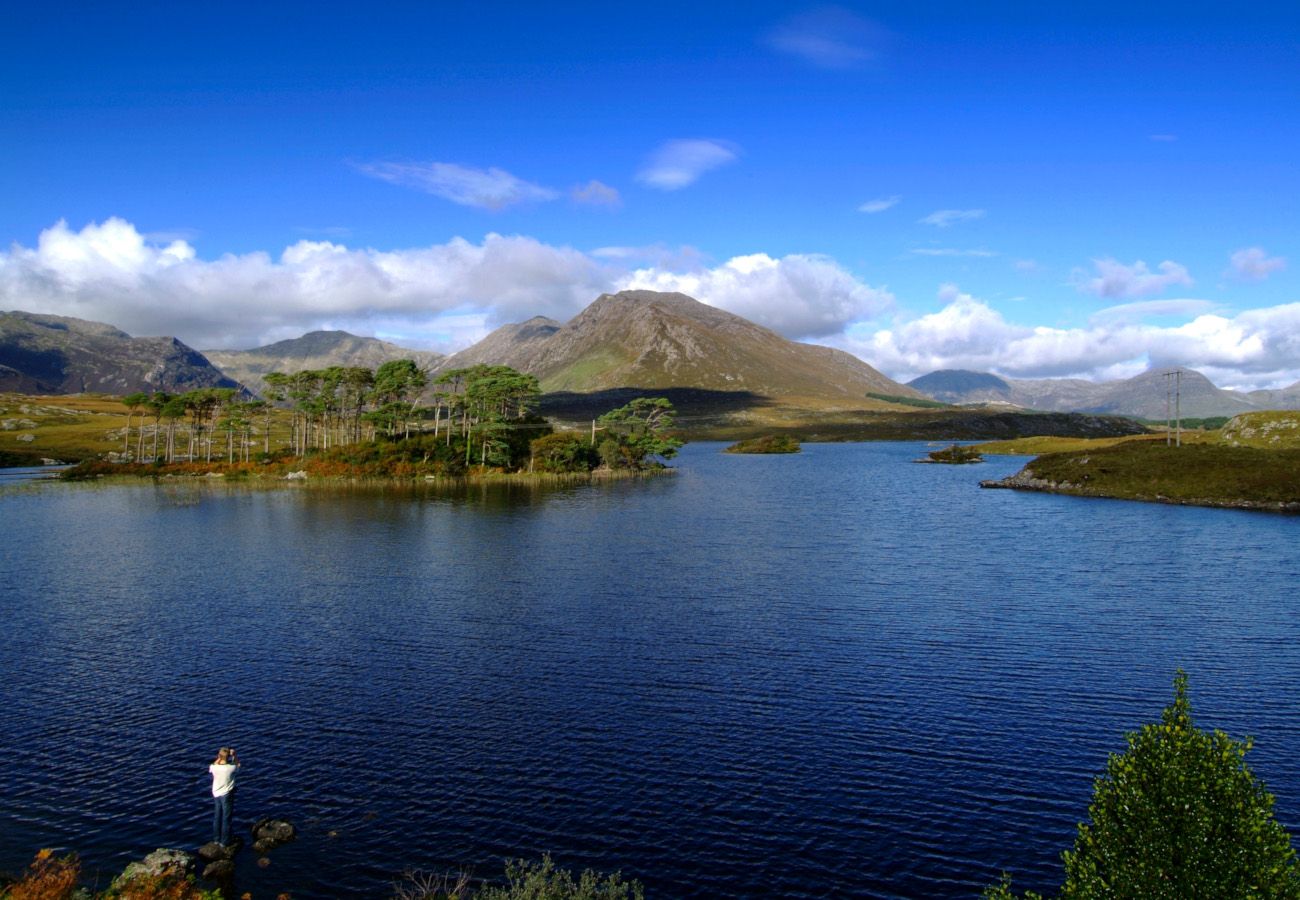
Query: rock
point(263, 862)
point(219, 869)
point(26, 438)
point(296, 476)
point(161, 862)
point(271, 833)
point(213, 851)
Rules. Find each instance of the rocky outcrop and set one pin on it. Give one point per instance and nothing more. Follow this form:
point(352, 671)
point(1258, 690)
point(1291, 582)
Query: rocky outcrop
point(161, 862)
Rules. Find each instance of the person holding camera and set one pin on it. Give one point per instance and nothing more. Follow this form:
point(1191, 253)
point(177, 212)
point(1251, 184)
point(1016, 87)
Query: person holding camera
point(223, 771)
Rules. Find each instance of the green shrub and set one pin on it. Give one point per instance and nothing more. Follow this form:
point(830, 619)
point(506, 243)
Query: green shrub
point(543, 881)
point(771, 443)
point(1178, 815)
point(563, 452)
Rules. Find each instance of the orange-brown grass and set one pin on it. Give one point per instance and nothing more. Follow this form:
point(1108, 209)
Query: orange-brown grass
point(49, 877)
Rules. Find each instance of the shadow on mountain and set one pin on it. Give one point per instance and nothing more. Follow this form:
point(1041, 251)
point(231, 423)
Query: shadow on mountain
point(691, 403)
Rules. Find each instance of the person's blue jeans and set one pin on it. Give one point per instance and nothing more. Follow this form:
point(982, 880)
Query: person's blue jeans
point(223, 808)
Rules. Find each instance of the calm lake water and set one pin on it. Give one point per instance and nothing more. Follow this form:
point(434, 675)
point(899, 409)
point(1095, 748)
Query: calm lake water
point(836, 674)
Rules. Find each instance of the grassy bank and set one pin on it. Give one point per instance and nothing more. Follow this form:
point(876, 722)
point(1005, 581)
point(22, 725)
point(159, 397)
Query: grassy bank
point(1199, 474)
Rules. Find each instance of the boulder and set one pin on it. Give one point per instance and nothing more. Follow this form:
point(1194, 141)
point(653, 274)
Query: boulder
point(214, 851)
point(219, 869)
point(162, 861)
point(271, 833)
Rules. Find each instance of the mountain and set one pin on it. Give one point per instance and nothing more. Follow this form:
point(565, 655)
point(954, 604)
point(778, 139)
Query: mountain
point(1284, 398)
point(1142, 396)
point(521, 342)
point(314, 350)
point(963, 386)
point(647, 339)
point(42, 354)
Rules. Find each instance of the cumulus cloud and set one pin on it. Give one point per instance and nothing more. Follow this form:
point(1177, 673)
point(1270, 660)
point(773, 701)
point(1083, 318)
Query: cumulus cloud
point(1253, 264)
point(1257, 348)
point(1114, 279)
point(448, 295)
point(945, 218)
point(676, 164)
point(880, 204)
point(443, 296)
point(829, 38)
point(797, 295)
point(596, 193)
point(109, 273)
point(490, 188)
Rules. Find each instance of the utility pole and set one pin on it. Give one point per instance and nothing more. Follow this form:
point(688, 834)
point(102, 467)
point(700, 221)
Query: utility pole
point(1174, 384)
point(1178, 408)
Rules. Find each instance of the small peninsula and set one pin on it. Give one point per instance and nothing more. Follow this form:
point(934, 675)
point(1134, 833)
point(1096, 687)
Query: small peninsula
point(1194, 474)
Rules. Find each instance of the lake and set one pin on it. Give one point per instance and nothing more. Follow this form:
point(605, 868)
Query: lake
point(829, 674)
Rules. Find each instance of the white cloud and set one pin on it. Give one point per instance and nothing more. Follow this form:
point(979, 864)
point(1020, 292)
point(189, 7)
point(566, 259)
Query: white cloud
point(797, 296)
point(945, 218)
point(1146, 308)
point(951, 251)
point(445, 296)
point(829, 38)
point(490, 188)
point(1253, 264)
point(676, 164)
point(1114, 279)
point(596, 193)
point(1258, 348)
point(880, 204)
point(109, 273)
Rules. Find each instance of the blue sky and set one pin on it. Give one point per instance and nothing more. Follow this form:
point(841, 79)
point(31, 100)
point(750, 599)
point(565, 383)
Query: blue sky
point(1037, 191)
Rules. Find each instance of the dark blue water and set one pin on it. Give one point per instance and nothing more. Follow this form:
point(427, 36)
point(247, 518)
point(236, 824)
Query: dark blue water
point(831, 674)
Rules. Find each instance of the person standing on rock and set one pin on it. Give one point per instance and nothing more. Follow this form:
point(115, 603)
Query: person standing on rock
point(223, 771)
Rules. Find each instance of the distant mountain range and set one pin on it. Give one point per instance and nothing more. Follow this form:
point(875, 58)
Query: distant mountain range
point(314, 350)
point(1143, 396)
point(42, 354)
point(632, 340)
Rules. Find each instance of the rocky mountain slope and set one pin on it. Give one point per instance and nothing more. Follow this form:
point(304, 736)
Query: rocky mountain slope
point(648, 339)
point(42, 354)
point(314, 350)
point(1142, 396)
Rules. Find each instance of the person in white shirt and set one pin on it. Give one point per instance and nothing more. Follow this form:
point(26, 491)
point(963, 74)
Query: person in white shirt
point(223, 771)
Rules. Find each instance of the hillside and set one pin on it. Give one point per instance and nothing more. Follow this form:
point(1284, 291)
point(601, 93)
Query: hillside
point(1142, 396)
point(652, 340)
point(42, 354)
point(1263, 430)
point(314, 350)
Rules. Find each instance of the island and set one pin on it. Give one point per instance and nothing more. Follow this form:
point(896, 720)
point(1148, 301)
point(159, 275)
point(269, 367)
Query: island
point(770, 443)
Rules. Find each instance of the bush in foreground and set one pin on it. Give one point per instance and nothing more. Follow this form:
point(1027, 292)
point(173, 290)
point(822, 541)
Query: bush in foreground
point(51, 877)
point(524, 881)
point(1178, 815)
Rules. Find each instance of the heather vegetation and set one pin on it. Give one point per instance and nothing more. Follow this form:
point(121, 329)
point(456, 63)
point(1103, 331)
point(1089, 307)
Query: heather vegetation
point(771, 443)
point(1202, 474)
point(956, 454)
